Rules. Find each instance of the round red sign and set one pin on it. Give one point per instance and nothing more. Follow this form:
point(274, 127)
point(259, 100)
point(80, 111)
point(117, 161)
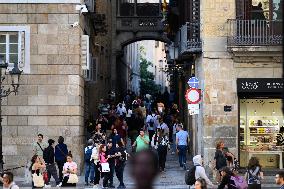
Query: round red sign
point(193, 96)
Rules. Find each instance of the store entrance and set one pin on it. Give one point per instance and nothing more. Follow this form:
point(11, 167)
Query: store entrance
point(261, 130)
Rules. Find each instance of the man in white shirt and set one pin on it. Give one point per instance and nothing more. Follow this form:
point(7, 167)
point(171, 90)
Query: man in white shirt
point(181, 142)
point(163, 126)
point(151, 124)
point(121, 110)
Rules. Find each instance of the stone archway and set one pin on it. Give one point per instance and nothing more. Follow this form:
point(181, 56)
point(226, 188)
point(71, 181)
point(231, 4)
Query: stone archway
point(125, 38)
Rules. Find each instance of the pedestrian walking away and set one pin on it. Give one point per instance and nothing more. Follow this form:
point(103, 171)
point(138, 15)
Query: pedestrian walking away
point(95, 159)
point(89, 163)
point(48, 157)
point(61, 152)
point(151, 124)
point(199, 171)
point(181, 143)
point(254, 174)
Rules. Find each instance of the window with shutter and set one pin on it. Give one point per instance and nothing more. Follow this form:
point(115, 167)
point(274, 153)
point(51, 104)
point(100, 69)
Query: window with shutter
point(85, 55)
point(94, 70)
point(15, 46)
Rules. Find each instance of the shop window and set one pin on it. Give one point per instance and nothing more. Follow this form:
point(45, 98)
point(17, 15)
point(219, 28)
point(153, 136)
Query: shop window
point(261, 129)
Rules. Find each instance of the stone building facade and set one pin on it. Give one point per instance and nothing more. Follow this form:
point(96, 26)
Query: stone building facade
point(52, 87)
point(218, 69)
point(228, 55)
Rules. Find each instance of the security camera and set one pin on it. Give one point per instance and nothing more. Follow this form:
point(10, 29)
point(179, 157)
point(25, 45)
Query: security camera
point(75, 24)
point(82, 8)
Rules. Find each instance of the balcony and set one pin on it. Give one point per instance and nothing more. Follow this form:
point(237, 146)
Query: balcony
point(189, 38)
point(140, 17)
point(255, 41)
point(254, 33)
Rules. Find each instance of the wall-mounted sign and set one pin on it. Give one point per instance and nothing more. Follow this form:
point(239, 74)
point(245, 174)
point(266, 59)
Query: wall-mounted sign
point(260, 85)
point(193, 96)
point(193, 82)
point(227, 108)
point(193, 109)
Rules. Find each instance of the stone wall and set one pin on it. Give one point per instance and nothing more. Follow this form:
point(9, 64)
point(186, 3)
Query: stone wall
point(217, 71)
point(50, 99)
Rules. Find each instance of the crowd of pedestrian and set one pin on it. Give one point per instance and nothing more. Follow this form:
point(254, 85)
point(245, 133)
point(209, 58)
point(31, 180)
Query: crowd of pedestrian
point(139, 123)
point(143, 127)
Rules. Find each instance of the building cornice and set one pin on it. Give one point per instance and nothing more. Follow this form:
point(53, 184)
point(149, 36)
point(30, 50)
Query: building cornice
point(40, 1)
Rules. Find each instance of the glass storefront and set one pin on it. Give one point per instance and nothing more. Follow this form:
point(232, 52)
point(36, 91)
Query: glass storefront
point(260, 131)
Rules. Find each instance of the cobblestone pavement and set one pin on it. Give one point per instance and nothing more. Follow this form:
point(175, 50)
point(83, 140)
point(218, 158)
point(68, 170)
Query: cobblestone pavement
point(173, 178)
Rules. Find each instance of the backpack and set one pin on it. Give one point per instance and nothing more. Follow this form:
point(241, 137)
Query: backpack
point(88, 154)
point(190, 176)
point(240, 182)
point(253, 176)
point(151, 122)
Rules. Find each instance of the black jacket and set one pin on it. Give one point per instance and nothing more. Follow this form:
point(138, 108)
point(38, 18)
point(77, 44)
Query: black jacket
point(48, 155)
point(226, 181)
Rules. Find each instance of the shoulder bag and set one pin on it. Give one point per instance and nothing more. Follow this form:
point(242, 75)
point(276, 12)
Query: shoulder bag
point(73, 179)
point(38, 180)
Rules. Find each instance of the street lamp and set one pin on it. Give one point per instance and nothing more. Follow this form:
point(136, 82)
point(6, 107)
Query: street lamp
point(15, 74)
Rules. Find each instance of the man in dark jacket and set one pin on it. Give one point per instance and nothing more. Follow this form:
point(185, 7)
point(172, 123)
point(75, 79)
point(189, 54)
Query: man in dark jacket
point(111, 150)
point(61, 152)
point(48, 156)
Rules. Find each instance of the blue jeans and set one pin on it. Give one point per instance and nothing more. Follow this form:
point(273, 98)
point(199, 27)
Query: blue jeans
point(182, 154)
point(89, 168)
point(174, 142)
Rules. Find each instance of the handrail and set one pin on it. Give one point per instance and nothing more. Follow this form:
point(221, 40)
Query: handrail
point(254, 32)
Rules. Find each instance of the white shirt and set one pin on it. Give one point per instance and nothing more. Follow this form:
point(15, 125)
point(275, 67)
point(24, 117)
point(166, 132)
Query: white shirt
point(164, 127)
point(121, 110)
point(154, 117)
point(175, 128)
point(12, 186)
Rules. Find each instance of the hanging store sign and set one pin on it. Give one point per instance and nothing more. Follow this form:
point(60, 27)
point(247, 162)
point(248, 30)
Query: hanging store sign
point(260, 85)
point(193, 96)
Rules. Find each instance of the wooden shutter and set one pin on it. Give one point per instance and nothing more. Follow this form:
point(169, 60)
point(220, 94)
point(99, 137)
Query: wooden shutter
point(243, 9)
point(94, 69)
point(21, 50)
point(85, 52)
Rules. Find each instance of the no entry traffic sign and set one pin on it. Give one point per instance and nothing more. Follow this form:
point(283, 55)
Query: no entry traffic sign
point(193, 96)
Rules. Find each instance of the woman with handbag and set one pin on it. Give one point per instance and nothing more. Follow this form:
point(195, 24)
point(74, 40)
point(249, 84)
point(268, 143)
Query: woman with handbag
point(36, 168)
point(70, 172)
point(104, 164)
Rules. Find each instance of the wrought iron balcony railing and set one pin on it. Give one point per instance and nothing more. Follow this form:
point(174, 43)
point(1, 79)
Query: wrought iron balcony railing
point(254, 32)
point(190, 38)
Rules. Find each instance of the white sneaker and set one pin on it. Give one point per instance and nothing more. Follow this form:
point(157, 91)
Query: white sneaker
point(96, 186)
point(59, 185)
point(47, 186)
